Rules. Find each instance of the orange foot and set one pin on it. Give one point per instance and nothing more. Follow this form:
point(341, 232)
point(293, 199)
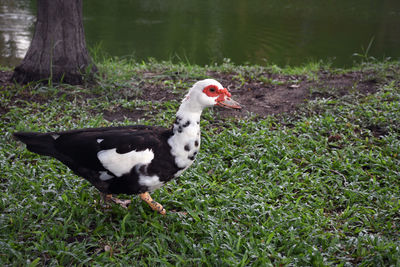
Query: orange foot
point(154, 205)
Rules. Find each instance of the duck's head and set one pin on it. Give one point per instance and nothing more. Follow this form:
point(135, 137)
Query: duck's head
point(208, 93)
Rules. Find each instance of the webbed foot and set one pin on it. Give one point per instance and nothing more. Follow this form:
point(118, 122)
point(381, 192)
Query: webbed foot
point(153, 204)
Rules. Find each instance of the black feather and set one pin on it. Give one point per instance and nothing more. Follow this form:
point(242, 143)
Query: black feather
point(41, 143)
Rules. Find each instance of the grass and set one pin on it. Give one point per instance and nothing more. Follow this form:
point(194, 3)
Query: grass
point(317, 187)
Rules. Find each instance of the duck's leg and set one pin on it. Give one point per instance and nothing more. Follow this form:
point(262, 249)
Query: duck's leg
point(154, 205)
point(122, 203)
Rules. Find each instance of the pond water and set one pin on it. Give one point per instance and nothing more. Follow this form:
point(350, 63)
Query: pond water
point(283, 32)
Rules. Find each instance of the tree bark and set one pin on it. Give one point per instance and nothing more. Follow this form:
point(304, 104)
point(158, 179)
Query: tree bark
point(58, 48)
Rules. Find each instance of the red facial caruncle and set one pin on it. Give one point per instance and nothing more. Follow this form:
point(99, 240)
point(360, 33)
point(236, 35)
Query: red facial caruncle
point(213, 91)
point(223, 97)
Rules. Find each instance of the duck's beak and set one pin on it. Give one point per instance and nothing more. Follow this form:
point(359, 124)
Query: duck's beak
point(229, 103)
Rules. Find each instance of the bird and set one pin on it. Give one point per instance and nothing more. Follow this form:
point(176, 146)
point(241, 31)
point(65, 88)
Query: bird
point(135, 159)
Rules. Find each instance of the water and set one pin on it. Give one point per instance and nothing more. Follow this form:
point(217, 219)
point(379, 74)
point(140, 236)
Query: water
point(16, 26)
point(289, 32)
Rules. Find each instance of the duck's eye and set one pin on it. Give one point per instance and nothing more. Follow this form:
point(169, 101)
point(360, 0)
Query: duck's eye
point(211, 90)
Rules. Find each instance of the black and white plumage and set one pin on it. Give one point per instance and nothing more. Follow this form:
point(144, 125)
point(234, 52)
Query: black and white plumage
point(134, 159)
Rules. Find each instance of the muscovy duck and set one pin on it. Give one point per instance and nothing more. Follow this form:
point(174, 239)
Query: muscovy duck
point(134, 159)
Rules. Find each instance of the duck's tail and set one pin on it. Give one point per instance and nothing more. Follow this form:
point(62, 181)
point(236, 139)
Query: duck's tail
point(41, 143)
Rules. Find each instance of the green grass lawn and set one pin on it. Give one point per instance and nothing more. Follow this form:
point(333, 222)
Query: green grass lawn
point(317, 187)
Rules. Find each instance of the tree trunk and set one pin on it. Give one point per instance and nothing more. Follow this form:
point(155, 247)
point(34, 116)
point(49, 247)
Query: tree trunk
point(58, 49)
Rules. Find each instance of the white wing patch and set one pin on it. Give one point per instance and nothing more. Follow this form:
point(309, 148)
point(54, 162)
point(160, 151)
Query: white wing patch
point(120, 164)
point(152, 182)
